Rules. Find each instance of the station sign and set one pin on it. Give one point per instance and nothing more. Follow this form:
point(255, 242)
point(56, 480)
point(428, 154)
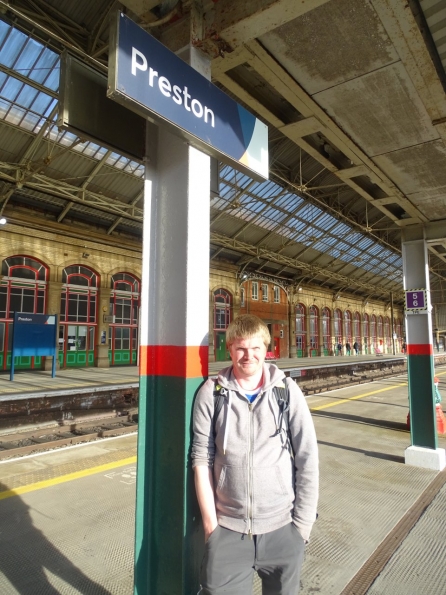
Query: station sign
point(416, 300)
point(151, 80)
point(21, 318)
point(33, 335)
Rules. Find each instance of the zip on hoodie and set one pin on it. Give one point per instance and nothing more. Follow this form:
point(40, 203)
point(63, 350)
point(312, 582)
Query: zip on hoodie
point(250, 470)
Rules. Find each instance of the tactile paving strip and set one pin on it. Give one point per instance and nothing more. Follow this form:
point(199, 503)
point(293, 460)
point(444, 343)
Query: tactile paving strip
point(418, 565)
point(362, 498)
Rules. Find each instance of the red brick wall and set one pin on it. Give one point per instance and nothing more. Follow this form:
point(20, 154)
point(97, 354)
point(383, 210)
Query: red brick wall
point(272, 313)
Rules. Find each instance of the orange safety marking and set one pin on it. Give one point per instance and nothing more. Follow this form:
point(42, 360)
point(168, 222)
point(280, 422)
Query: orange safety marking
point(174, 360)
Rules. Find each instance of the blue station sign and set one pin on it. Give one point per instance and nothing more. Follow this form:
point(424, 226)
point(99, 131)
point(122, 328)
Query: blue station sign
point(34, 335)
point(153, 81)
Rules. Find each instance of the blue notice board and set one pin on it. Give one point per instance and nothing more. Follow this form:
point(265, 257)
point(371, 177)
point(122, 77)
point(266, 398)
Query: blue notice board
point(33, 335)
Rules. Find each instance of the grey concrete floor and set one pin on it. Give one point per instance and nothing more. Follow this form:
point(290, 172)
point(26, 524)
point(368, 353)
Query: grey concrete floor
point(76, 535)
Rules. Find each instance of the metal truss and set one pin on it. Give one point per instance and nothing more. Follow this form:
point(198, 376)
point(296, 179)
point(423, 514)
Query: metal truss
point(21, 177)
point(258, 252)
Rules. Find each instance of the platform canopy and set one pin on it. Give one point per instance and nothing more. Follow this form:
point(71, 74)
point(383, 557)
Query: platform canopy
point(353, 94)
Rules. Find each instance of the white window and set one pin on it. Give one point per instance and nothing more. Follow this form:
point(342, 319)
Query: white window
point(265, 292)
point(255, 290)
point(276, 295)
point(242, 297)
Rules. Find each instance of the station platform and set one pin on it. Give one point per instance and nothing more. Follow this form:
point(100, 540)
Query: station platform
point(67, 516)
point(39, 383)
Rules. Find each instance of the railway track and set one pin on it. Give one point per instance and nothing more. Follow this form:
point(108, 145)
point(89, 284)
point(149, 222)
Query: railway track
point(38, 440)
point(20, 443)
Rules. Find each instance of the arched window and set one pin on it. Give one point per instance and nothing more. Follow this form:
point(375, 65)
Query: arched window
point(348, 327)
point(124, 282)
point(398, 329)
point(326, 331)
point(78, 316)
point(373, 330)
point(300, 330)
point(23, 288)
point(387, 336)
point(399, 332)
point(366, 332)
point(242, 296)
point(222, 309)
point(380, 328)
point(124, 307)
point(337, 325)
point(314, 330)
point(222, 318)
point(357, 327)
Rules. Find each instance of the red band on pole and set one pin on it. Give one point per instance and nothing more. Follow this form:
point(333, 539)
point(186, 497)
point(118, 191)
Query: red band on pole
point(420, 349)
point(174, 360)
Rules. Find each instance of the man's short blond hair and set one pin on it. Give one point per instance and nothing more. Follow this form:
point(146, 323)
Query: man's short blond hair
point(247, 326)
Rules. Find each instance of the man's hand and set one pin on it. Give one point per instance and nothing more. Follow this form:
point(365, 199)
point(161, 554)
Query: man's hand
point(209, 529)
point(204, 485)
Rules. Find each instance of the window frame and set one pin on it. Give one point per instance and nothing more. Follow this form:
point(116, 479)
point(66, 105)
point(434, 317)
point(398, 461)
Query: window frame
point(255, 290)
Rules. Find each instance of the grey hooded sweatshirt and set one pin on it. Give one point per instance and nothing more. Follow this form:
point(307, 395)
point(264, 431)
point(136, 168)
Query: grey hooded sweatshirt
point(258, 485)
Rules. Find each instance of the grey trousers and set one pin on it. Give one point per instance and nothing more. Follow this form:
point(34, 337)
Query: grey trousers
point(230, 559)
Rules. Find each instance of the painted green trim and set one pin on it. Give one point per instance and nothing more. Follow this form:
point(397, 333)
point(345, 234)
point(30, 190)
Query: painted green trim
point(169, 541)
point(22, 362)
point(420, 372)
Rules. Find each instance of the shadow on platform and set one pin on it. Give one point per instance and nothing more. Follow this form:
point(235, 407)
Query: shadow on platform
point(25, 566)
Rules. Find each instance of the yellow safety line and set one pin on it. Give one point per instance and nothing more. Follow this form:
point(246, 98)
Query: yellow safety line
point(47, 483)
point(381, 390)
point(40, 485)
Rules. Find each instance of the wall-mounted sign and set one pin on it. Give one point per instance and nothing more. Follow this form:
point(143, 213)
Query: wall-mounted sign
point(153, 81)
point(416, 300)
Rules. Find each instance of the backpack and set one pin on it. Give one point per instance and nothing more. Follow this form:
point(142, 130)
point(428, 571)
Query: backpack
point(282, 394)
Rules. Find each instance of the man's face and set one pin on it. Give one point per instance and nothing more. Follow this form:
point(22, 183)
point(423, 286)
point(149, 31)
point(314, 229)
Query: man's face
point(247, 357)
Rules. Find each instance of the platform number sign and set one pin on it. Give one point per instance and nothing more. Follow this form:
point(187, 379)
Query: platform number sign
point(416, 300)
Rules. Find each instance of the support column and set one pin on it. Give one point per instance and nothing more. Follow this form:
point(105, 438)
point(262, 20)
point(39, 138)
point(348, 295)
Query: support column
point(174, 360)
point(101, 360)
point(292, 324)
point(420, 364)
point(53, 307)
point(392, 323)
point(332, 330)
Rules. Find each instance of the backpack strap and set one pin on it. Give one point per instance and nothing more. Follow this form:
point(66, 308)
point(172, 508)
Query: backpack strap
point(282, 394)
point(218, 402)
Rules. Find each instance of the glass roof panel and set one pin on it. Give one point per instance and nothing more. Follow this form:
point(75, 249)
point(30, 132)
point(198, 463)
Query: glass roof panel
point(27, 106)
point(12, 46)
point(305, 223)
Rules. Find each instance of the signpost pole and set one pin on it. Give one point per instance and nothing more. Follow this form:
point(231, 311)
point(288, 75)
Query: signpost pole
point(173, 362)
point(56, 346)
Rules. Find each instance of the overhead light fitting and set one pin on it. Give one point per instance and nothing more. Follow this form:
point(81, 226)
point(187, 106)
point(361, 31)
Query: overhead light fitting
point(2, 221)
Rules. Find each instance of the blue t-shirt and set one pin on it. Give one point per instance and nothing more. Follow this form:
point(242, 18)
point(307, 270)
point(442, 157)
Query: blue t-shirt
point(252, 395)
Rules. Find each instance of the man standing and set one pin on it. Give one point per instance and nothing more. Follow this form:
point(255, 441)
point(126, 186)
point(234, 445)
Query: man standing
point(256, 470)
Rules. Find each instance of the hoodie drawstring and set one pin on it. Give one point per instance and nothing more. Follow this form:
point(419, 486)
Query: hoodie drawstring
point(228, 415)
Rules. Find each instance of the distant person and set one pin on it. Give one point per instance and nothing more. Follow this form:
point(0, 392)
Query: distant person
point(257, 505)
point(339, 347)
point(348, 348)
point(356, 347)
point(403, 348)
